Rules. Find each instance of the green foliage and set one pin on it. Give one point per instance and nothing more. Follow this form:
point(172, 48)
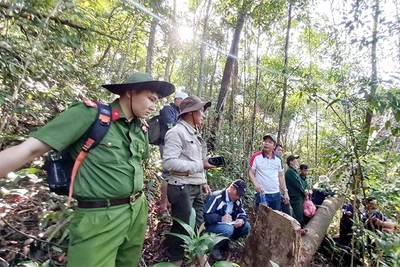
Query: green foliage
point(217, 264)
point(197, 244)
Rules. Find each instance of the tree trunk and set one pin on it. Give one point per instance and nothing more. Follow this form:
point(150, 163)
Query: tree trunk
point(228, 68)
point(253, 117)
point(172, 35)
point(150, 45)
point(285, 72)
point(316, 135)
point(317, 229)
point(233, 94)
point(276, 236)
point(210, 90)
point(128, 48)
point(374, 78)
point(203, 48)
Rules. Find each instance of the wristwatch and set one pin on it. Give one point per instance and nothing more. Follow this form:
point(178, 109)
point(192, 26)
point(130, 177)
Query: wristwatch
point(285, 190)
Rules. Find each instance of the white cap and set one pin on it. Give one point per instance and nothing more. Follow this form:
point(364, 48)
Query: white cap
point(182, 95)
point(323, 179)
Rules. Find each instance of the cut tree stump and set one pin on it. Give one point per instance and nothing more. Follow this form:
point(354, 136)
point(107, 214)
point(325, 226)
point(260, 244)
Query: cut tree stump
point(276, 236)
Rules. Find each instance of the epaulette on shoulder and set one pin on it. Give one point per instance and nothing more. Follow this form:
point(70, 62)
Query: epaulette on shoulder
point(90, 103)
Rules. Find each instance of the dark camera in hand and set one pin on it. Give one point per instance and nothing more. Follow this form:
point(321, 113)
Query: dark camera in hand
point(217, 161)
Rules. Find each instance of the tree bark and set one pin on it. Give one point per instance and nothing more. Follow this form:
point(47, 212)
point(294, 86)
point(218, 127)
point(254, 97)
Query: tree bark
point(285, 72)
point(172, 36)
point(233, 94)
point(150, 46)
point(253, 116)
point(233, 52)
point(128, 48)
point(276, 236)
point(374, 77)
point(203, 48)
point(317, 228)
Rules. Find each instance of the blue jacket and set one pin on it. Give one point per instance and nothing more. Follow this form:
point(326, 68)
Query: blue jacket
point(215, 208)
point(168, 119)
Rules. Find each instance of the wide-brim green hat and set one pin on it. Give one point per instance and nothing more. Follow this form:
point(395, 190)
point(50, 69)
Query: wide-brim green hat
point(141, 81)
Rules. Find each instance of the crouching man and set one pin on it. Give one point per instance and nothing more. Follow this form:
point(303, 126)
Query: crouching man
point(224, 214)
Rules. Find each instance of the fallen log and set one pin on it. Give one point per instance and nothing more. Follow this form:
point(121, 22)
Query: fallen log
point(317, 228)
point(276, 237)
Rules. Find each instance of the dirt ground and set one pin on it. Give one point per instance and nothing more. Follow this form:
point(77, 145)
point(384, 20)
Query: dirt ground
point(33, 227)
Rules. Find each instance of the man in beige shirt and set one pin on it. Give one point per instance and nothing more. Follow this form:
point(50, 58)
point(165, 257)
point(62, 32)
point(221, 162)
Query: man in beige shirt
point(185, 159)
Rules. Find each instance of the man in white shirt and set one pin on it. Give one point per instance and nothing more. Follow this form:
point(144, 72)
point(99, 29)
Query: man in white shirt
point(266, 174)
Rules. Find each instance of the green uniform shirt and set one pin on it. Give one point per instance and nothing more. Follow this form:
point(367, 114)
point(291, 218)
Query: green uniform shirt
point(294, 185)
point(304, 182)
point(113, 169)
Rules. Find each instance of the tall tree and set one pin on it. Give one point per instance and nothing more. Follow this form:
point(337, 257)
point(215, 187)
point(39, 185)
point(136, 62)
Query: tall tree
point(150, 45)
point(374, 76)
point(285, 71)
point(232, 57)
point(257, 89)
point(171, 45)
point(203, 48)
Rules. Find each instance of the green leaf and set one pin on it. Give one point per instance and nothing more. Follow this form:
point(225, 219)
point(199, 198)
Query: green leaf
point(164, 264)
point(59, 227)
point(46, 263)
point(387, 124)
point(64, 235)
point(28, 264)
point(225, 264)
point(187, 227)
point(181, 236)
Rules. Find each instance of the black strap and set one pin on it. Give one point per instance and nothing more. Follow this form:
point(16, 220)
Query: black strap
point(99, 127)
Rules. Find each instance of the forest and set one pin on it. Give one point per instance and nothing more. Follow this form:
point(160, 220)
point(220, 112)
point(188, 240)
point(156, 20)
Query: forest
point(323, 76)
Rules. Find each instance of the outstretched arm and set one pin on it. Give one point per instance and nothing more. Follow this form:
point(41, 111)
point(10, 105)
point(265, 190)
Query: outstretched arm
point(16, 156)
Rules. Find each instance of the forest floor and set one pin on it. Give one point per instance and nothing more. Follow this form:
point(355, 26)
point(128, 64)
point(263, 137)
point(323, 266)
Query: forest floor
point(33, 227)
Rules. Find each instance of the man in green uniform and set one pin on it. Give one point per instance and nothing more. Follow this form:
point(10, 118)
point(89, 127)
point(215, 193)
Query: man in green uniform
point(109, 224)
point(303, 175)
point(296, 188)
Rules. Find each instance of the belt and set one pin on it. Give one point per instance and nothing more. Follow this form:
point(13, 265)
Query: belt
point(88, 204)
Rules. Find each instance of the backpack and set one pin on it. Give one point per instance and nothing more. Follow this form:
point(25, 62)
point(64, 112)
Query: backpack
point(61, 168)
point(154, 130)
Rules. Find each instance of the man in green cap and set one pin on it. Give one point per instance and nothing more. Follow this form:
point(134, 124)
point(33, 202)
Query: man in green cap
point(297, 190)
point(109, 223)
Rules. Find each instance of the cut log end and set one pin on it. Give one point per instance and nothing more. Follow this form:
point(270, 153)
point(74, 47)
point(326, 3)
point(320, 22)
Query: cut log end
point(276, 236)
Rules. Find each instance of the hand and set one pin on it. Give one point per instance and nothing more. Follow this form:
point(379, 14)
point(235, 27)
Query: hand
point(207, 165)
point(238, 223)
point(306, 194)
point(349, 213)
point(257, 187)
point(226, 218)
point(206, 189)
point(286, 197)
point(377, 222)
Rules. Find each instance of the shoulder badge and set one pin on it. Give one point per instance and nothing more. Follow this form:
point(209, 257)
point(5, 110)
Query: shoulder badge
point(89, 103)
point(115, 114)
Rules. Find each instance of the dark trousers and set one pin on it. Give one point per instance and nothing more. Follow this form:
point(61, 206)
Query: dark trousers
point(285, 207)
point(183, 198)
point(298, 211)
